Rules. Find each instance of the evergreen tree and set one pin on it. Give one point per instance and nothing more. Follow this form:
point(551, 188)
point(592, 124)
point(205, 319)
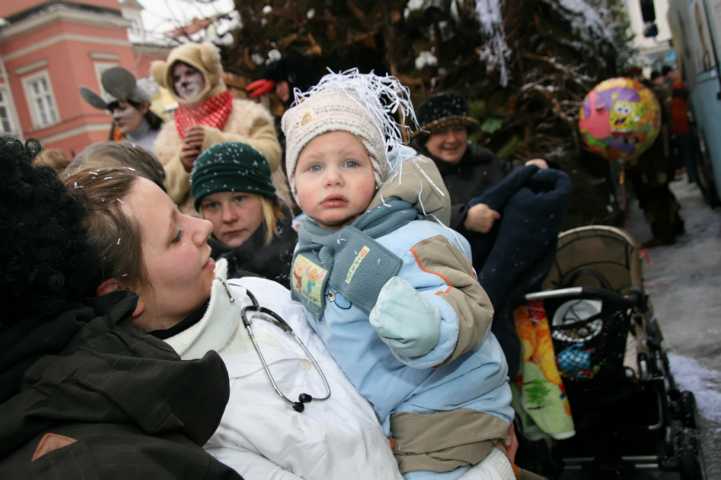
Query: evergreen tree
point(524, 65)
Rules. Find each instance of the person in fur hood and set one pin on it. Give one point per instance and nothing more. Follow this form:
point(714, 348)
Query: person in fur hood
point(207, 114)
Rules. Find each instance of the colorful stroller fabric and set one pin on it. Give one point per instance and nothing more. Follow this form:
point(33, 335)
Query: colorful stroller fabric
point(538, 392)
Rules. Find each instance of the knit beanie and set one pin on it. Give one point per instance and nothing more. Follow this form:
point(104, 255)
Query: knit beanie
point(349, 102)
point(230, 167)
point(204, 57)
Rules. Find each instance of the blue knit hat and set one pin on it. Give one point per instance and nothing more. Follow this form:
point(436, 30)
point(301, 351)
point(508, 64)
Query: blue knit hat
point(230, 167)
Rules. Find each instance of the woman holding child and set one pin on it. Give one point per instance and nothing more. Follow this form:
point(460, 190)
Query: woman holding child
point(449, 329)
point(415, 342)
point(148, 247)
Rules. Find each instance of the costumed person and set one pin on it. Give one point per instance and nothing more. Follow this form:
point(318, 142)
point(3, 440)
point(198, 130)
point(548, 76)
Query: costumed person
point(207, 114)
point(388, 287)
point(232, 187)
point(292, 414)
point(133, 121)
point(83, 393)
point(117, 155)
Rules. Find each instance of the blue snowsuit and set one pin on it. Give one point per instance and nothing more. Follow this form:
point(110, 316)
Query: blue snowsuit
point(447, 409)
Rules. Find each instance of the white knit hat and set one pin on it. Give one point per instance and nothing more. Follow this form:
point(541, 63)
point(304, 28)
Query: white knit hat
point(349, 102)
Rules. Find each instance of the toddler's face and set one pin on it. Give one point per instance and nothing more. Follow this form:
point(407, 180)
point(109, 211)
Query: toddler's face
point(334, 179)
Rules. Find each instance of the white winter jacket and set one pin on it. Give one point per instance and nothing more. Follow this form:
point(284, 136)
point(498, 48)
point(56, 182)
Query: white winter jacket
point(260, 435)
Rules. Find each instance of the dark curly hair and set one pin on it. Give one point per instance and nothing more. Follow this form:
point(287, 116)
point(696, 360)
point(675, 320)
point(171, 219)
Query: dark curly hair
point(46, 261)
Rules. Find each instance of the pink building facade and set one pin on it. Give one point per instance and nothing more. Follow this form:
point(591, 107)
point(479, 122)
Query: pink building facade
point(48, 50)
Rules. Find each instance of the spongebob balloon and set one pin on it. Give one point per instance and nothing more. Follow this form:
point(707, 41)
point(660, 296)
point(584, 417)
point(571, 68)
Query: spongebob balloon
point(619, 119)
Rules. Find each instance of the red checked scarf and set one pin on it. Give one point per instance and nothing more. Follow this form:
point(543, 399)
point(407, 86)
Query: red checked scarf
point(213, 112)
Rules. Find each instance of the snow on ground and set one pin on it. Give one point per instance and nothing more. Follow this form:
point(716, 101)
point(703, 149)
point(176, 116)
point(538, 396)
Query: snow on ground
point(684, 284)
point(704, 382)
point(684, 281)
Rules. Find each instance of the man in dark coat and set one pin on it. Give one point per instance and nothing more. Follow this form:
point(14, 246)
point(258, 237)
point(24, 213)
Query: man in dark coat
point(651, 175)
point(83, 393)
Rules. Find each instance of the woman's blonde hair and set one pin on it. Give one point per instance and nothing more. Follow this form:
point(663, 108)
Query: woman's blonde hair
point(272, 213)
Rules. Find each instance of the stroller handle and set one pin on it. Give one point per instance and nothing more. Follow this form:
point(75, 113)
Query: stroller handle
point(632, 299)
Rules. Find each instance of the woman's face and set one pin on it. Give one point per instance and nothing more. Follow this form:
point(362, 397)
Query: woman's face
point(188, 82)
point(176, 256)
point(127, 117)
point(448, 145)
point(235, 216)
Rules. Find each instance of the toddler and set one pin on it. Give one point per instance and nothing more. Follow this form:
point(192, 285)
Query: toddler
point(389, 289)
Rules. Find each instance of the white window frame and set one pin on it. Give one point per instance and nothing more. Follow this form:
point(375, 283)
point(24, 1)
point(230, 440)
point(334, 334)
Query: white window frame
point(7, 103)
point(100, 67)
point(136, 26)
point(53, 114)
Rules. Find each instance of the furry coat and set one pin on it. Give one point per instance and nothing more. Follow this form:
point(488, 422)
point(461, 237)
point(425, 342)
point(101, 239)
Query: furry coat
point(249, 122)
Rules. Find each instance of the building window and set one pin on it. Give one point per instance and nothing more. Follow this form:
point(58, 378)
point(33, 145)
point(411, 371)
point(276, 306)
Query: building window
point(136, 27)
point(7, 126)
point(100, 67)
point(41, 100)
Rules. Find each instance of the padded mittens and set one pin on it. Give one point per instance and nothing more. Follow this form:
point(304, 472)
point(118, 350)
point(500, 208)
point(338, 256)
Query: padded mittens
point(404, 320)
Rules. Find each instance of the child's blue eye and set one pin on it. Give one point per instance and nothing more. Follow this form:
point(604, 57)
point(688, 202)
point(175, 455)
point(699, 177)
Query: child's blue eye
point(314, 168)
point(351, 163)
point(178, 236)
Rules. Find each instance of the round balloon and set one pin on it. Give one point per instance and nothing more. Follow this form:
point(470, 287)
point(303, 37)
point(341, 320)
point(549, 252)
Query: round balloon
point(619, 119)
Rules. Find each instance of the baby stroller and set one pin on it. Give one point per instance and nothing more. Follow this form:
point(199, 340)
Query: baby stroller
point(630, 418)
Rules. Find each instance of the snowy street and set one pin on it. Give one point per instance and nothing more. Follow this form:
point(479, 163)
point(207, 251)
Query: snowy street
point(683, 282)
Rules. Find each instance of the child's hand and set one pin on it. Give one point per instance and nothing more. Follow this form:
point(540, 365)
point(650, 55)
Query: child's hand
point(404, 320)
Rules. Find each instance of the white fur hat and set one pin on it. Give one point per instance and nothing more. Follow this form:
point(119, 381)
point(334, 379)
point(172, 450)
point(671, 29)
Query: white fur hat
point(349, 102)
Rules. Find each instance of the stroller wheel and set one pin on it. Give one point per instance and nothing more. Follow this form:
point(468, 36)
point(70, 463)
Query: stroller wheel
point(687, 404)
point(690, 466)
point(689, 455)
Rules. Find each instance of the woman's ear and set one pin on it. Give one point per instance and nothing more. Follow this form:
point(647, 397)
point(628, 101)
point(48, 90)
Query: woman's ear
point(139, 308)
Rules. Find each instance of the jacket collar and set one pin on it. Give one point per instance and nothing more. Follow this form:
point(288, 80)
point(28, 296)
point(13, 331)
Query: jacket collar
point(418, 182)
point(205, 335)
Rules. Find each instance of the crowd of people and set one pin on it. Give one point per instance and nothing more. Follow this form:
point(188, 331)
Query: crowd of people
point(181, 305)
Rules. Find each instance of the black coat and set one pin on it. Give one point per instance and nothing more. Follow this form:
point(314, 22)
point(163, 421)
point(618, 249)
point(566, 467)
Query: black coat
point(516, 255)
point(475, 173)
point(132, 407)
point(255, 258)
